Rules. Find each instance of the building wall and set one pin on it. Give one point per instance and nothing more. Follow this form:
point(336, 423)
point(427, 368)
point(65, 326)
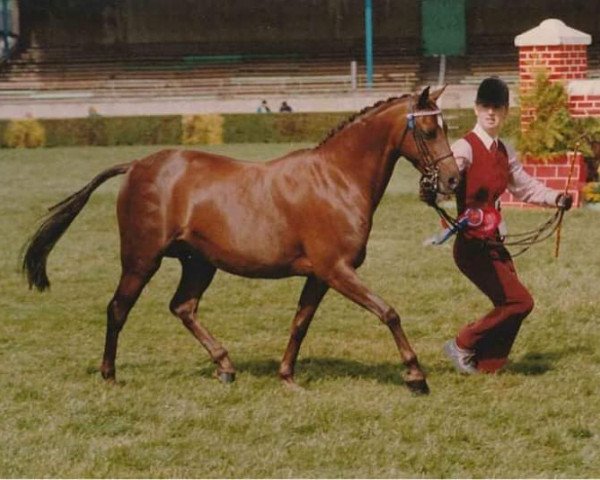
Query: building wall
point(284, 26)
point(502, 20)
point(223, 26)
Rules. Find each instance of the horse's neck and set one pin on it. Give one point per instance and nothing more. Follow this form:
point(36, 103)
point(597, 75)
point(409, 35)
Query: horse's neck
point(365, 156)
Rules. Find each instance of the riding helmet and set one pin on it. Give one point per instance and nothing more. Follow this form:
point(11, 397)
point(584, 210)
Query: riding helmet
point(492, 91)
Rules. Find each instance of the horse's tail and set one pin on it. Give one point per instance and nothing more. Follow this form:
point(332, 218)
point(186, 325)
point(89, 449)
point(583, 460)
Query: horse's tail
point(59, 218)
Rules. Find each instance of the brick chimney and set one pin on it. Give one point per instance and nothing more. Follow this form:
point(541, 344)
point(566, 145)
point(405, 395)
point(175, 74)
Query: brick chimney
point(560, 49)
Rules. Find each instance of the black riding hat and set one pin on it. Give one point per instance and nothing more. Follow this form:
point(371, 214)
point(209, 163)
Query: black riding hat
point(492, 91)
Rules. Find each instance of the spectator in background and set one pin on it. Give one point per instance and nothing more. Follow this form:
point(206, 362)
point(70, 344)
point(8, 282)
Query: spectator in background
point(263, 107)
point(284, 107)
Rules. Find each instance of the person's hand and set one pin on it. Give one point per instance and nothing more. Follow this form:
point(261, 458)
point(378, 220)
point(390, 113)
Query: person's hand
point(564, 201)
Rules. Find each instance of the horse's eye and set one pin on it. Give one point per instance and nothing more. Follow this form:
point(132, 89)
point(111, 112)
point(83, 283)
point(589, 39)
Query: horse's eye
point(430, 134)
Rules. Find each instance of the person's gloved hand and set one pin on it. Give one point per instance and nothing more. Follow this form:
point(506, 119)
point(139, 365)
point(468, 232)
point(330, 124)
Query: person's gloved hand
point(564, 201)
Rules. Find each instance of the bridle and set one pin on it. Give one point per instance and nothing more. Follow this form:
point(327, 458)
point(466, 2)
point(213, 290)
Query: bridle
point(429, 165)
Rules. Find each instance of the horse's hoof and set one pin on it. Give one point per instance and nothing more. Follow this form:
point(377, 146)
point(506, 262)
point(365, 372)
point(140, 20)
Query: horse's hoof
point(226, 377)
point(418, 387)
point(292, 386)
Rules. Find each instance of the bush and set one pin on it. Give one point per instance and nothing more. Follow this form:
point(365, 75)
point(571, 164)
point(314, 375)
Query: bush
point(591, 192)
point(70, 132)
point(216, 129)
point(553, 131)
point(202, 129)
point(153, 130)
point(107, 131)
point(280, 128)
point(28, 133)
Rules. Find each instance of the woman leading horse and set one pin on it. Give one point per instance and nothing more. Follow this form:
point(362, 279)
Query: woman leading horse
point(308, 213)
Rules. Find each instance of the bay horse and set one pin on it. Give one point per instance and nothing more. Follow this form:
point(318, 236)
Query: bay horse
point(308, 213)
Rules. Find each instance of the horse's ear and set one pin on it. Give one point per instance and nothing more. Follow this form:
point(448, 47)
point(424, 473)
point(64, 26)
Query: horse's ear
point(423, 98)
point(436, 93)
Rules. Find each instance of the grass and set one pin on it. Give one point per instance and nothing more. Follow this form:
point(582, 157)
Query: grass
point(169, 418)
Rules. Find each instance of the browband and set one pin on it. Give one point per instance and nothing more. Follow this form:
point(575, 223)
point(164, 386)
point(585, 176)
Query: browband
point(423, 113)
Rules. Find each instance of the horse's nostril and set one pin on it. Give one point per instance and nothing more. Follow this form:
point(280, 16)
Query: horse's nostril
point(452, 182)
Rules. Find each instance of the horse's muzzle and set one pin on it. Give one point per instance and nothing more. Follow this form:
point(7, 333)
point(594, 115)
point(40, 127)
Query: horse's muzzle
point(448, 175)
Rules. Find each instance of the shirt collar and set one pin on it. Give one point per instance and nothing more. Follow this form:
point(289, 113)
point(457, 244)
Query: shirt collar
point(484, 136)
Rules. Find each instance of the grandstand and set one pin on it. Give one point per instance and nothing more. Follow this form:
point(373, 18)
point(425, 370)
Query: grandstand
point(148, 70)
point(139, 58)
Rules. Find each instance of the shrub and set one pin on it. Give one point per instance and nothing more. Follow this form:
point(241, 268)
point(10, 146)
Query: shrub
point(152, 130)
point(553, 130)
point(280, 128)
point(70, 132)
point(27, 133)
point(591, 192)
point(106, 131)
point(202, 129)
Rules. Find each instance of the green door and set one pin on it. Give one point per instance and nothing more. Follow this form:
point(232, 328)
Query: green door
point(443, 27)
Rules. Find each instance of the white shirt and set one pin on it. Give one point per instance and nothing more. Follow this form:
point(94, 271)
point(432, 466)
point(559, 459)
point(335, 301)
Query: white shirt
point(522, 185)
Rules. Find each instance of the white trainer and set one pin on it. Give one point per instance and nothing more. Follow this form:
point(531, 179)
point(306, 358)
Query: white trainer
point(461, 358)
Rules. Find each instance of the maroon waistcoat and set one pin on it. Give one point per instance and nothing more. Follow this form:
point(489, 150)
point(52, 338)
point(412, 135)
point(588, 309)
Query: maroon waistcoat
point(487, 177)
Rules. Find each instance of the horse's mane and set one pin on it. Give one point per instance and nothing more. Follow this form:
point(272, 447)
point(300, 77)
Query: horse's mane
point(362, 113)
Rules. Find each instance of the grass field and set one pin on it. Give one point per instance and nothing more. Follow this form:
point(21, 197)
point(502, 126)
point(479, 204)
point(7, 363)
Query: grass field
point(168, 417)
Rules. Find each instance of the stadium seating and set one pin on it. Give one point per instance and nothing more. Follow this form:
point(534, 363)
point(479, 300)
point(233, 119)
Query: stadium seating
point(176, 70)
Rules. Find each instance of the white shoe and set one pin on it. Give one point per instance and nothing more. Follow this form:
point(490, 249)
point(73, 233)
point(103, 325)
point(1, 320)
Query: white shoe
point(461, 358)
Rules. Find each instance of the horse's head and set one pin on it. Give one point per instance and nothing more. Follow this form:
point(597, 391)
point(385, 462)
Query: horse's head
point(423, 141)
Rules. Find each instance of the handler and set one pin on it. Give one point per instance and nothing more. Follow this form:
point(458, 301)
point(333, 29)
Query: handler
point(488, 167)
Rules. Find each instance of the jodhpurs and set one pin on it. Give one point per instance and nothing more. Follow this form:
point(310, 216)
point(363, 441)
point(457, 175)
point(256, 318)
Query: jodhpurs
point(491, 269)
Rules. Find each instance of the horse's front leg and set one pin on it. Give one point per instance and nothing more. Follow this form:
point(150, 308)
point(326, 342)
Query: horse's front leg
point(313, 292)
point(345, 280)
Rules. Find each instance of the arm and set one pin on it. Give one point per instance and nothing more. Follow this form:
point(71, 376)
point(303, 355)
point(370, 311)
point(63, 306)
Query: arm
point(525, 187)
point(463, 154)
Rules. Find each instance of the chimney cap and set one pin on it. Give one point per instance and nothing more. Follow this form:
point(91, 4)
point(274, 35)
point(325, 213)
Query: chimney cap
point(552, 31)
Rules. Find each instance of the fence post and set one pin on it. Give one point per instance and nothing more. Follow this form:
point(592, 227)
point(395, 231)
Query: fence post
point(353, 75)
point(5, 28)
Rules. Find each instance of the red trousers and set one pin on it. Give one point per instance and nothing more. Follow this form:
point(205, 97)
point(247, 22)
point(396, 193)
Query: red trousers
point(491, 269)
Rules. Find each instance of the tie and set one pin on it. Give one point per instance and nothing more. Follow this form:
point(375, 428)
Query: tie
point(494, 147)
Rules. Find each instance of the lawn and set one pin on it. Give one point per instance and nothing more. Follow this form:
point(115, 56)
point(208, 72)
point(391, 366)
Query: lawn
point(168, 417)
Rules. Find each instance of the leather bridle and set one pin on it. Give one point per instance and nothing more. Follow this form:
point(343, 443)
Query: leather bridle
point(429, 165)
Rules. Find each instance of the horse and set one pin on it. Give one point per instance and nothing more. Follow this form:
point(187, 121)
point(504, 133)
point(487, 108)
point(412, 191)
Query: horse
point(308, 213)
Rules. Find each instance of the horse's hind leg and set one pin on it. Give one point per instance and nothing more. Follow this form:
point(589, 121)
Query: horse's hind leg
point(195, 278)
point(313, 292)
point(345, 280)
point(130, 286)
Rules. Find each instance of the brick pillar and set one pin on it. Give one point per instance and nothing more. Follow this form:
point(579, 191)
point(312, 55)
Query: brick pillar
point(584, 98)
point(553, 46)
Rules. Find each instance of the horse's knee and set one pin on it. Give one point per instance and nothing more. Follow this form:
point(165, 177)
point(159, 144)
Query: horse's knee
point(391, 318)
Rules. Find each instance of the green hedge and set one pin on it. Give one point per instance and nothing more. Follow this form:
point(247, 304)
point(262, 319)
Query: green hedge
point(152, 130)
point(237, 128)
point(279, 128)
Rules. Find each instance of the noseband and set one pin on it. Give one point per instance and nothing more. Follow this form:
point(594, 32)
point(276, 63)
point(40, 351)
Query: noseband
point(429, 165)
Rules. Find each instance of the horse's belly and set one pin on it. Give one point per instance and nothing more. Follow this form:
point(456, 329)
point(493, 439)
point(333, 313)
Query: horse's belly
point(253, 258)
